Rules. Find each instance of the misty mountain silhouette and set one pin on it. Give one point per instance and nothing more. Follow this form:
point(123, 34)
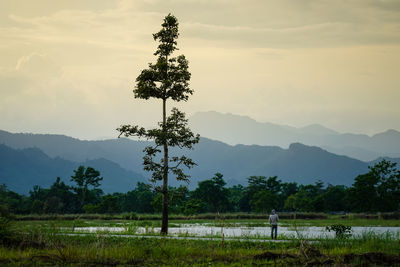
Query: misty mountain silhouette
point(235, 129)
point(21, 169)
point(29, 159)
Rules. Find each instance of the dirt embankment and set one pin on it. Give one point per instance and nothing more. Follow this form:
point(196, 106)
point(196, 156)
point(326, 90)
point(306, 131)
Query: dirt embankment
point(313, 257)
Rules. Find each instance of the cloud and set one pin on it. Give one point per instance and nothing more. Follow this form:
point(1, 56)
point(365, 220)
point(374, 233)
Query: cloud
point(37, 64)
point(11, 83)
point(277, 24)
point(71, 66)
point(31, 72)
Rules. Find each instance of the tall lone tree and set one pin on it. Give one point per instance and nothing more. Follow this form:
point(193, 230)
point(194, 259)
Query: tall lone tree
point(83, 179)
point(167, 79)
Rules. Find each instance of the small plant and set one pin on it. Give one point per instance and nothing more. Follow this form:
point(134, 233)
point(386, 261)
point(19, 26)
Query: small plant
point(341, 231)
point(8, 236)
point(132, 229)
point(5, 231)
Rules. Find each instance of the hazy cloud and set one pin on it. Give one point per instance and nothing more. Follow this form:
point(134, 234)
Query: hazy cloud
point(70, 66)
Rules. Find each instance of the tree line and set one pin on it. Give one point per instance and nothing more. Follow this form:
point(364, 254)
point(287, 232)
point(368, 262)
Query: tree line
point(376, 190)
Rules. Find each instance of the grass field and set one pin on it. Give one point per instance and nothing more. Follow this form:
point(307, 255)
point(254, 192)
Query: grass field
point(41, 242)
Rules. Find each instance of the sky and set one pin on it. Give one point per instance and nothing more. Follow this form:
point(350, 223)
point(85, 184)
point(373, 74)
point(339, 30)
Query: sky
point(69, 66)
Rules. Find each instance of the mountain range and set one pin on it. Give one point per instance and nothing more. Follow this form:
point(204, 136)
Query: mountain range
point(21, 169)
point(235, 129)
point(37, 159)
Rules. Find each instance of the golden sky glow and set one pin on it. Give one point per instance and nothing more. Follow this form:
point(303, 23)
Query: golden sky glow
point(69, 66)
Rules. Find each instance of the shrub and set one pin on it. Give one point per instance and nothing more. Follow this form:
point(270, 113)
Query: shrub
point(341, 231)
point(8, 236)
point(129, 216)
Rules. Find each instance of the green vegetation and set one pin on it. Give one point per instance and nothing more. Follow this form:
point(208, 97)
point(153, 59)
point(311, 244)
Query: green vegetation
point(341, 231)
point(245, 219)
point(40, 243)
point(167, 79)
point(83, 179)
point(212, 196)
point(36, 229)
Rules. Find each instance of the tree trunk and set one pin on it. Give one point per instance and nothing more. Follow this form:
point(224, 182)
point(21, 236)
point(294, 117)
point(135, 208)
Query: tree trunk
point(83, 197)
point(164, 224)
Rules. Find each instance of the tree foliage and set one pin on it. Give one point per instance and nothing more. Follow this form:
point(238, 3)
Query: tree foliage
point(83, 178)
point(177, 134)
point(375, 191)
point(168, 78)
point(213, 194)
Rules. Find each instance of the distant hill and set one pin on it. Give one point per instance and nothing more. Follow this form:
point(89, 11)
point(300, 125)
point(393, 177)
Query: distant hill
point(21, 169)
point(299, 163)
point(120, 160)
point(122, 151)
point(395, 160)
point(235, 129)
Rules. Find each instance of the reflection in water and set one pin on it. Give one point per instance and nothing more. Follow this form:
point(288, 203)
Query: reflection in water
point(240, 232)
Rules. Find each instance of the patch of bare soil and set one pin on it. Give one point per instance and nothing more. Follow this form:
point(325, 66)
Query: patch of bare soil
point(274, 256)
point(313, 257)
point(377, 258)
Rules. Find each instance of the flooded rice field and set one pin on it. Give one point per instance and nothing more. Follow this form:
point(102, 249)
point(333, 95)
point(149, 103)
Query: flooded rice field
point(201, 230)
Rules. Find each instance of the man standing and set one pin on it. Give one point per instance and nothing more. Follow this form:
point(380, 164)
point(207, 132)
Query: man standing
point(273, 221)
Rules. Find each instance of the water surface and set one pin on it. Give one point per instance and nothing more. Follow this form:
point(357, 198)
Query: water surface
point(239, 231)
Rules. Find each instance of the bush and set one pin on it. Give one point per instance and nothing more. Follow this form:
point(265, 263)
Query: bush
point(129, 216)
point(341, 231)
point(5, 232)
point(8, 237)
point(4, 211)
point(90, 208)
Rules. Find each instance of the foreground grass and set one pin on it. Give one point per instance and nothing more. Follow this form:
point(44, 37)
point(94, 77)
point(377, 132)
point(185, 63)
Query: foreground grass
point(42, 243)
point(137, 251)
point(52, 249)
